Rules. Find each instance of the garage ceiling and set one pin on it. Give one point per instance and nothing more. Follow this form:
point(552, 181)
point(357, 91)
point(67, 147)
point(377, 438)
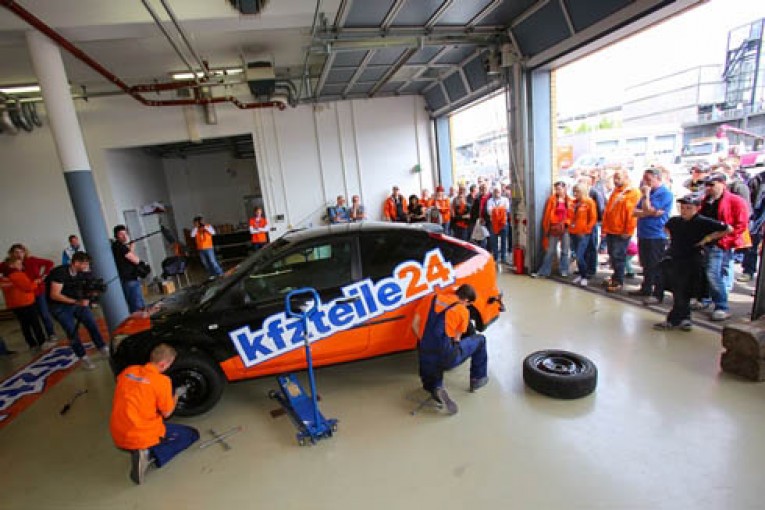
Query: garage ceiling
point(333, 49)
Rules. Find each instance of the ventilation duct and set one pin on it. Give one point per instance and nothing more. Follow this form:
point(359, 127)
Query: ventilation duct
point(249, 6)
point(261, 79)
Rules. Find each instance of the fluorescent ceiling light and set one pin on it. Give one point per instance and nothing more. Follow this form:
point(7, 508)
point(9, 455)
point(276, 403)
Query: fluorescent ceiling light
point(20, 89)
point(215, 72)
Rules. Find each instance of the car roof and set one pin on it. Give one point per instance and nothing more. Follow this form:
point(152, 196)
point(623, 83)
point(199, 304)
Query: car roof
point(300, 235)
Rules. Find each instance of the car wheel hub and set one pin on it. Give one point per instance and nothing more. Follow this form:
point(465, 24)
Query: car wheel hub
point(559, 365)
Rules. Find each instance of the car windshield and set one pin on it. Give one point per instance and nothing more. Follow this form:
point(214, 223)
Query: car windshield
point(215, 287)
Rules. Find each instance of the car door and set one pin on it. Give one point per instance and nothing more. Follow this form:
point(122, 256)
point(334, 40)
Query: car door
point(269, 342)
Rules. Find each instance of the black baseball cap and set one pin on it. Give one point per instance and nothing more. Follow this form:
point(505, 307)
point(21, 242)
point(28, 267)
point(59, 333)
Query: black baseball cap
point(716, 177)
point(690, 200)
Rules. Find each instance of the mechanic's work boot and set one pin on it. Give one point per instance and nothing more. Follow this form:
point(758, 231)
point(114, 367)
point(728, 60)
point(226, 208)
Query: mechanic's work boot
point(86, 363)
point(440, 395)
point(475, 384)
point(140, 464)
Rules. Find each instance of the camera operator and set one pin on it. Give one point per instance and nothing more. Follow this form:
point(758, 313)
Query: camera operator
point(128, 267)
point(69, 297)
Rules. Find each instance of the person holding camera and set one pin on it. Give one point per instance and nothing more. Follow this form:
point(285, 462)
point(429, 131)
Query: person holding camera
point(129, 268)
point(69, 296)
point(203, 235)
point(143, 399)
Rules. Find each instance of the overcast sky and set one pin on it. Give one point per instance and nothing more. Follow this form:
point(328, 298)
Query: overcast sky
point(696, 37)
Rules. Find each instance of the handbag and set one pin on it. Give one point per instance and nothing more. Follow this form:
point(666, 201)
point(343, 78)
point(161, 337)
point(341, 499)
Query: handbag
point(556, 229)
point(479, 233)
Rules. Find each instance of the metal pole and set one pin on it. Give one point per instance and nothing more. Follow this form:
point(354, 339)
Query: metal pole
point(67, 135)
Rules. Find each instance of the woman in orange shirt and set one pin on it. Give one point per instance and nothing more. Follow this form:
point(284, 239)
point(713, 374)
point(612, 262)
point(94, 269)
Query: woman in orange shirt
point(19, 292)
point(585, 215)
point(555, 222)
point(443, 204)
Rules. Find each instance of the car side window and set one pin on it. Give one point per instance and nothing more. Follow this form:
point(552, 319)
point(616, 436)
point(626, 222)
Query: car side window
point(381, 253)
point(321, 266)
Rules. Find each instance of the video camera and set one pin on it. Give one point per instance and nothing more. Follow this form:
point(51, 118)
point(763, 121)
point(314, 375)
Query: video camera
point(89, 288)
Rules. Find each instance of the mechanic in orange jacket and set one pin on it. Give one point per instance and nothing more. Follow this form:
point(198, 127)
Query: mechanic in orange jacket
point(19, 293)
point(619, 225)
point(585, 216)
point(142, 399)
point(395, 207)
point(447, 340)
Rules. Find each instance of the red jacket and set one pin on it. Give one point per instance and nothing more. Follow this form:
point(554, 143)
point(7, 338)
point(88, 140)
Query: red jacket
point(36, 268)
point(734, 211)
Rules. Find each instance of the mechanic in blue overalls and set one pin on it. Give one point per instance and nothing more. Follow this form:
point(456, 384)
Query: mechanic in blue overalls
point(446, 343)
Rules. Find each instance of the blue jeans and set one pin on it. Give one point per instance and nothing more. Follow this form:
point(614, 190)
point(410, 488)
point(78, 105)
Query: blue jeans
point(617, 252)
point(592, 251)
point(552, 249)
point(42, 307)
point(498, 244)
point(209, 261)
point(581, 243)
point(67, 316)
point(133, 295)
point(432, 367)
point(719, 275)
point(177, 438)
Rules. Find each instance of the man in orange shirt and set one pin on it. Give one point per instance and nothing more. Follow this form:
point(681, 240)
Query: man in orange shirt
point(619, 226)
point(142, 399)
point(203, 235)
point(447, 341)
point(395, 207)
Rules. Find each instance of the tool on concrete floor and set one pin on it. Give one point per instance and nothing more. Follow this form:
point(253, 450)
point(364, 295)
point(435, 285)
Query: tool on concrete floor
point(69, 404)
point(220, 438)
point(303, 409)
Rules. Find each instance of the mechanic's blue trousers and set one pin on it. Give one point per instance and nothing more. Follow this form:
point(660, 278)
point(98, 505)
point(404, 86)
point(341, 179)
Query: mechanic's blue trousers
point(177, 438)
point(433, 366)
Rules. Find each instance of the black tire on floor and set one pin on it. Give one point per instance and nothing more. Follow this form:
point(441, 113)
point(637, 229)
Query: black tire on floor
point(560, 374)
point(203, 379)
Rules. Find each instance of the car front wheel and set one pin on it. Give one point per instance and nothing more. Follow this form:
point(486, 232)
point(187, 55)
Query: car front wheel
point(203, 381)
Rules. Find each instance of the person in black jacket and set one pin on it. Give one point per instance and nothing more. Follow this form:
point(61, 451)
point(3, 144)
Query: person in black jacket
point(128, 268)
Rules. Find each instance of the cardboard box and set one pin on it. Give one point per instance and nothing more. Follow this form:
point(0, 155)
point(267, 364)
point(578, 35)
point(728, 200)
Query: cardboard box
point(167, 287)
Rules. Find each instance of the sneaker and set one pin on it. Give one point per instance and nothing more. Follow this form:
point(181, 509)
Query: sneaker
point(537, 275)
point(583, 282)
point(664, 326)
point(686, 325)
point(720, 315)
point(139, 465)
point(476, 384)
point(577, 280)
point(104, 351)
point(744, 278)
point(564, 275)
point(698, 305)
point(53, 338)
point(440, 395)
point(87, 363)
point(651, 300)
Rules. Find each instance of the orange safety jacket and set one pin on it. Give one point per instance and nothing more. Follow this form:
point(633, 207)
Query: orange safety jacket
point(204, 239)
point(617, 216)
point(389, 209)
point(444, 207)
point(258, 223)
point(142, 397)
point(550, 207)
point(459, 211)
point(18, 290)
point(585, 216)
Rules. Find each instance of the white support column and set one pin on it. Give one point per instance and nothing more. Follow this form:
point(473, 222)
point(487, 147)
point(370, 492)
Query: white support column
point(67, 135)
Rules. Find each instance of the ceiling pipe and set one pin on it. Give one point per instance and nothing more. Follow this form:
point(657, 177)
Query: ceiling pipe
point(158, 22)
point(182, 31)
point(134, 92)
point(306, 79)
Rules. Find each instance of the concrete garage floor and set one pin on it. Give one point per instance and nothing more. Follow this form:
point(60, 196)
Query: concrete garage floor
point(665, 429)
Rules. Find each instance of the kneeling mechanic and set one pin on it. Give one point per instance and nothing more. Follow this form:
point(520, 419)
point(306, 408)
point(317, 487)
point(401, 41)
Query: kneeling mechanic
point(143, 397)
point(446, 343)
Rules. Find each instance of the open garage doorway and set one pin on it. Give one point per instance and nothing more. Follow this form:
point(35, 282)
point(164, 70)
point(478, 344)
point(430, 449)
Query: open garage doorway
point(168, 185)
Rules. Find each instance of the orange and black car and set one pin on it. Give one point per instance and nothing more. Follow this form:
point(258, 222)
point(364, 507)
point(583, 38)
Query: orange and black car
point(370, 277)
